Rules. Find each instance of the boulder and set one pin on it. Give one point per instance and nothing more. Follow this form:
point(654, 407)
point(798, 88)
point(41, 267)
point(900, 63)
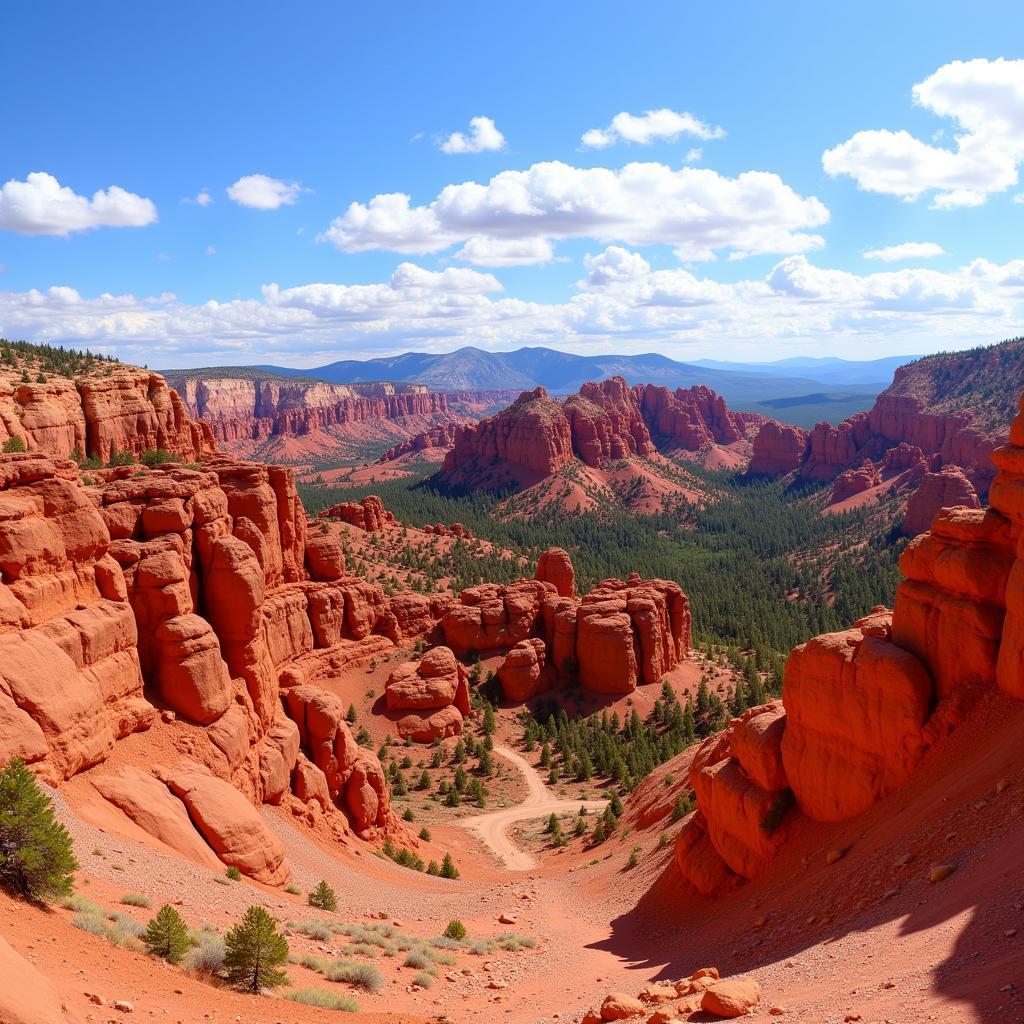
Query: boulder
point(947, 488)
point(731, 997)
point(26, 996)
point(619, 1006)
point(522, 674)
point(325, 556)
point(229, 823)
point(697, 860)
point(755, 740)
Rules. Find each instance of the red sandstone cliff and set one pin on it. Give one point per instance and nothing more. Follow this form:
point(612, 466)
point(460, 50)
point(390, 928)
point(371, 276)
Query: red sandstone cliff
point(861, 707)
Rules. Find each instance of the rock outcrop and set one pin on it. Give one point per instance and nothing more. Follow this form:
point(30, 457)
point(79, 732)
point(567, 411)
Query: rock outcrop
point(433, 693)
point(555, 567)
point(522, 674)
point(778, 449)
point(861, 707)
point(369, 514)
point(254, 408)
point(947, 488)
point(692, 419)
point(131, 411)
point(620, 634)
point(440, 437)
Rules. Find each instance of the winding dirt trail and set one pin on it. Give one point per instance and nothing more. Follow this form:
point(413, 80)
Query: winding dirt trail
point(540, 801)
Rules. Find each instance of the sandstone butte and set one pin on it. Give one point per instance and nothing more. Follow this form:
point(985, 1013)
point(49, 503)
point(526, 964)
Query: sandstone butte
point(537, 436)
point(860, 708)
point(913, 430)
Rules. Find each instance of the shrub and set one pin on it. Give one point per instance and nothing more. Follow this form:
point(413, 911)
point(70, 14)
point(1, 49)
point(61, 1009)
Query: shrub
point(254, 951)
point(318, 930)
point(455, 930)
point(208, 956)
point(157, 457)
point(133, 899)
point(633, 860)
point(167, 935)
point(425, 834)
point(322, 999)
point(293, 890)
point(13, 445)
point(364, 976)
point(36, 854)
point(448, 868)
point(234, 874)
point(419, 959)
point(323, 897)
point(779, 807)
point(423, 980)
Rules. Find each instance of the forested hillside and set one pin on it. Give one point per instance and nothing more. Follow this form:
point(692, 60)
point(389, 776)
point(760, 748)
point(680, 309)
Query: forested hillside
point(764, 570)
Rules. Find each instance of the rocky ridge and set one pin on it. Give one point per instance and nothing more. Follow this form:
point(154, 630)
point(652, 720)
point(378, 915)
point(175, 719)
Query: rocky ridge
point(860, 708)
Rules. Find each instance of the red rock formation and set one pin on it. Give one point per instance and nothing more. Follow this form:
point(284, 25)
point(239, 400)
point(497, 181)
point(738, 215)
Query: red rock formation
point(455, 530)
point(697, 860)
point(778, 449)
point(831, 449)
point(522, 674)
point(855, 481)
point(369, 514)
point(130, 411)
point(531, 435)
point(691, 418)
point(242, 408)
point(555, 567)
point(606, 423)
point(856, 705)
point(945, 489)
point(441, 436)
point(436, 690)
point(492, 615)
point(26, 996)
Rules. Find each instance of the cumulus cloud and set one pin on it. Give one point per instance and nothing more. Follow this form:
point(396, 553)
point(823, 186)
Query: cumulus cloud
point(202, 199)
point(263, 193)
point(506, 252)
point(905, 251)
point(662, 125)
point(40, 205)
point(695, 210)
point(985, 99)
point(483, 137)
point(622, 301)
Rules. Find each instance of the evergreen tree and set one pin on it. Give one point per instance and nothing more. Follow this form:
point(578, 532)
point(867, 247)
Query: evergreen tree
point(36, 854)
point(448, 868)
point(254, 952)
point(167, 935)
point(323, 897)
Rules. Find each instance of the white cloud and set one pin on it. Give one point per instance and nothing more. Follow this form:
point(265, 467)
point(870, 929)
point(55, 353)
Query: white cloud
point(506, 252)
point(483, 137)
point(652, 126)
point(694, 155)
point(905, 251)
point(623, 302)
point(985, 98)
point(210, 251)
point(202, 199)
point(263, 193)
point(696, 210)
point(40, 205)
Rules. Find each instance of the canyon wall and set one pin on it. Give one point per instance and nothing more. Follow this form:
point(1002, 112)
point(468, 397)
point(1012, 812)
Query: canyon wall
point(130, 410)
point(254, 409)
point(861, 707)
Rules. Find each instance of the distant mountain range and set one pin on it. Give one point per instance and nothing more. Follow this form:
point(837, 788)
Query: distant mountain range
point(800, 390)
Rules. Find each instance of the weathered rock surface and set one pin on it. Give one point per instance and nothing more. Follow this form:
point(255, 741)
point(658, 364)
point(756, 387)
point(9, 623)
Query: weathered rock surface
point(369, 514)
point(948, 488)
point(436, 688)
point(26, 996)
point(229, 823)
point(555, 567)
point(522, 674)
point(856, 705)
point(778, 449)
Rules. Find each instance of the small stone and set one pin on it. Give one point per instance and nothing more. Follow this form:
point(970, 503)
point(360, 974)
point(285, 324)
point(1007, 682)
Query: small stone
point(837, 854)
point(760, 922)
point(506, 918)
point(904, 859)
point(1002, 785)
point(851, 1017)
point(97, 999)
point(940, 871)
point(888, 984)
point(776, 1011)
point(123, 1006)
point(1010, 933)
point(497, 983)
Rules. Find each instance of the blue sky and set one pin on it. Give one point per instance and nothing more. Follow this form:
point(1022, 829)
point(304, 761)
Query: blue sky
point(786, 142)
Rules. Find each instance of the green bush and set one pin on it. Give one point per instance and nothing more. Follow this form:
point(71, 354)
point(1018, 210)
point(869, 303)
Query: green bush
point(157, 457)
point(13, 445)
point(36, 854)
point(234, 874)
point(254, 952)
point(133, 899)
point(167, 935)
point(323, 897)
point(456, 930)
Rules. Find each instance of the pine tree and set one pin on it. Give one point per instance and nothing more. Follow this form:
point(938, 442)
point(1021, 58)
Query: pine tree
point(323, 897)
point(254, 952)
point(167, 935)
point(36, 854)
point(490, 724)
point(448, 868)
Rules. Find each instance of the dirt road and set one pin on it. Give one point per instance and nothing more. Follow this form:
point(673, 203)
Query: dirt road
point(540, 802)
